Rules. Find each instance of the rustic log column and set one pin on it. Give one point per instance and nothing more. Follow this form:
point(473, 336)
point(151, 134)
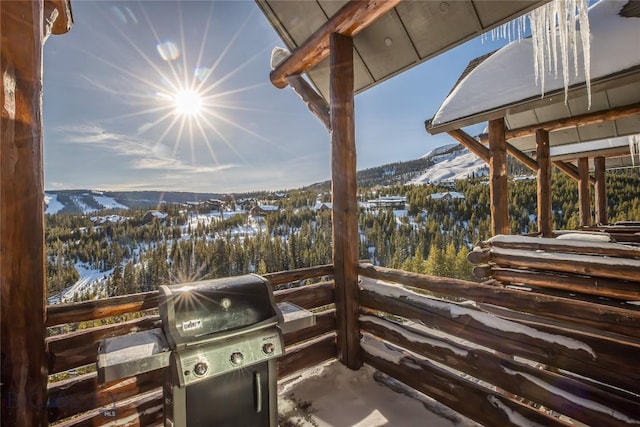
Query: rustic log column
point(498, 181)
point(602, 216)
point(584, 196)
point(545, 219)
point(22, 258)
point(345, 206)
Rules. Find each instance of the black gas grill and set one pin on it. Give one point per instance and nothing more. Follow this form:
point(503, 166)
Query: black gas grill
point(225, 337)
point(220, 340)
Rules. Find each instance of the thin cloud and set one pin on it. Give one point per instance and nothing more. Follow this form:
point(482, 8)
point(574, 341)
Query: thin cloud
point(144, 154)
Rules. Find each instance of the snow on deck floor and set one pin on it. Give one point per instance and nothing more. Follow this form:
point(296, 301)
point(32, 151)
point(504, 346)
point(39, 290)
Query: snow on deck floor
point(332, 395)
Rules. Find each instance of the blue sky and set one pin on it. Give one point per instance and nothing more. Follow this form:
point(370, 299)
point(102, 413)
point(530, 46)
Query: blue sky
point(110, 119)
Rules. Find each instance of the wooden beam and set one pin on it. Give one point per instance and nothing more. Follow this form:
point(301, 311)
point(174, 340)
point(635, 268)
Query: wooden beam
point(498, 181)
point(600, 191)
point(352, 18)
point(62, 21)
point(545, 218)
point(469, 142)
point(22, 258)
point(575, 121)
point(314, 102)
point(569, 169)
point(522, 158)
point(345, 206)
point(584, 197)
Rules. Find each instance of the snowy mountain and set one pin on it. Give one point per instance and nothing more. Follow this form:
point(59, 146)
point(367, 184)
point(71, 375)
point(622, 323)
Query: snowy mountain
point(90, 201)
point(447, 163)
point(450, 163)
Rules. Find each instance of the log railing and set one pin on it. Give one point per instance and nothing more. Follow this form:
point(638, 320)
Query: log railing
point(502, 356)
point(80, 400)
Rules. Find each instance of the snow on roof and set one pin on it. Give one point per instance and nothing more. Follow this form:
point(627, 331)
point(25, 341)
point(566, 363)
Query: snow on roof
point(507, 76)
point(269, 207)
point(319, 205)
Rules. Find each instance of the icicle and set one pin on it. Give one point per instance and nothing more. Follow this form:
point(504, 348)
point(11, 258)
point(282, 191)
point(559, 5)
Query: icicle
point(585, 37)
point(551, 25)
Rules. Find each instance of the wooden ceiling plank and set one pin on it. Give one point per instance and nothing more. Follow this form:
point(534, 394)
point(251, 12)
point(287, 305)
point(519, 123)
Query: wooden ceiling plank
point(576, 121)
point(352, 18)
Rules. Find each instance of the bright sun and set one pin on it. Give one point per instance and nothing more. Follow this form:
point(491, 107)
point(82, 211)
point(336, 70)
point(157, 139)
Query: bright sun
point(187, 102)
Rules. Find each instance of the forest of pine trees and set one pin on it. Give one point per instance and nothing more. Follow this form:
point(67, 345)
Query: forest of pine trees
point(433, 237)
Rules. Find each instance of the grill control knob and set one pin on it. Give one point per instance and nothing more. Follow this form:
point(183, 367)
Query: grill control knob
point(200, 369)
point(268, 348)
point(236, 358)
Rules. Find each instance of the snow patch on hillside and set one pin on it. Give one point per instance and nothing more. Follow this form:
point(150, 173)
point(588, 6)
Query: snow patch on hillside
point(91, 281)
point(108, 202)
point(52, 204)
point(440, 150)
point(459, 164)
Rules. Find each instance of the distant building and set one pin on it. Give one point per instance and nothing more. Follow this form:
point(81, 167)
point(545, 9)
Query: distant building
point(214, 204)
point(322, 206)
point(262, 210)
point(388, 202)
point(153, 214)
point(449, 195)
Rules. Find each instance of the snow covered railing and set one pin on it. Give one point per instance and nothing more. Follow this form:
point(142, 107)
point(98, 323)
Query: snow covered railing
point(501, 356)
point(79, 400)
point(623, 231)
point(600, 269)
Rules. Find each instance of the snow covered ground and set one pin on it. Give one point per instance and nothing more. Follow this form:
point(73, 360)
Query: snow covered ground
point(331, 395)
point(90, 280)
point(453, 166)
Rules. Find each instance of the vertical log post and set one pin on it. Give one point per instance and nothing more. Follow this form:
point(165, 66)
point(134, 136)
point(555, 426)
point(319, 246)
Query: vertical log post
point(498, 182)
point(602, 217)
point(584, 195)
point(545, 219)
point(22, 257)
point(345, 206)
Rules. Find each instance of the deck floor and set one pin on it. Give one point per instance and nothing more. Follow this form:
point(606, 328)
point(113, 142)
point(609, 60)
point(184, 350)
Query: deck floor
point(332, 395)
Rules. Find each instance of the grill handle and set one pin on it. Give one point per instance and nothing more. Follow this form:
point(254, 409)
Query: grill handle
point(258, 389)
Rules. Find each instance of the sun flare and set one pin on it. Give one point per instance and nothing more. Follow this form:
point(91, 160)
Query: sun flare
point(187, 102)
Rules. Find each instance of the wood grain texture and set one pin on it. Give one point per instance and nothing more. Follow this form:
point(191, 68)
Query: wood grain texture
point(22, 258)
point(353, 17)
point(498, 192)
point(600, 189)
point(344, 197)
point(545, 217)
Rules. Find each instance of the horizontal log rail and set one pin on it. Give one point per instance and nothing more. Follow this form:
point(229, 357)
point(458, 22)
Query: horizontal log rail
point(79, 348)
point(588, 265)
point(308, 353)
point(76, 349)
point(582, 247)
point(470, 399)
point(80, 397)
point(83, 393)
point(598, 357)
point(597, 316)
point(108, 307)
point(609, 288)
point(552, 390)
point(140, 410)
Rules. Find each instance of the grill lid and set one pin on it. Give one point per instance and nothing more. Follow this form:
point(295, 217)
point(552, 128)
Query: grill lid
point(212, 309)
